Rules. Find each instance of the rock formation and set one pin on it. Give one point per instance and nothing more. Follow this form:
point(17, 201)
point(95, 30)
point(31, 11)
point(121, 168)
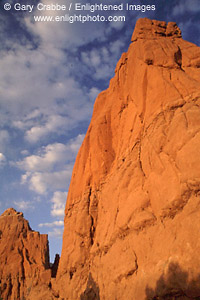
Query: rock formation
point(24, 258)
point(54, 267)
point(132, 216)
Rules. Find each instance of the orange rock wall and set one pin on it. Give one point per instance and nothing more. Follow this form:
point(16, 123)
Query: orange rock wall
point(133, 209)
point(24, 257)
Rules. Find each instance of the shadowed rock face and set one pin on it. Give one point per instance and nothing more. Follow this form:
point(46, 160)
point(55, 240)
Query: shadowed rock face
point(92, 290)
point(54, 267)
point(133, 206)
point(24, 257)
point(175, 284)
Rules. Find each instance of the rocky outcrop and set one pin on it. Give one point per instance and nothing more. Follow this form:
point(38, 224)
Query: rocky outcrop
point(24, 258)
point(132, 216)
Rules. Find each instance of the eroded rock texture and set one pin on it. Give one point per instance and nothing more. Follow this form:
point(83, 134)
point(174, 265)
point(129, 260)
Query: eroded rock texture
point(133, 207)
point(24, 258)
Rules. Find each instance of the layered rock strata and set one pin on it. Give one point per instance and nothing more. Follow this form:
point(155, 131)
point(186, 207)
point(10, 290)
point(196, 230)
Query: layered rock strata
point(132, 216)
point(24, 258)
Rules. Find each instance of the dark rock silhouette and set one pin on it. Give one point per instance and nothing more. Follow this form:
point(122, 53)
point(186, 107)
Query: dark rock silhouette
point(54, 267)
point(92, 290)
point(175, 285)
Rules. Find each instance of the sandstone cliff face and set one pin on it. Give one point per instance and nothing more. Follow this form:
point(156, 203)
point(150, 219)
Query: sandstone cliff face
point(24, 258)
point(132, 216)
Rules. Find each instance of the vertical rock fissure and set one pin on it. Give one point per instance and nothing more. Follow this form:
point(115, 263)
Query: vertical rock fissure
point(144, 88)
point(178, 57)
point(92, 227)
point(140, 161)
point(136, 263)
point(92, 230)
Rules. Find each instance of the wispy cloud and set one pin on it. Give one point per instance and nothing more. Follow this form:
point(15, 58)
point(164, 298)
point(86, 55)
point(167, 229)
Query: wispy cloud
point(56, 233)
point(24, 205)
point(52, 224)
point(43, 98)
point(49, 156)
point(50, 169)
point(100, 61)
point(43, 182)
point(58, 200)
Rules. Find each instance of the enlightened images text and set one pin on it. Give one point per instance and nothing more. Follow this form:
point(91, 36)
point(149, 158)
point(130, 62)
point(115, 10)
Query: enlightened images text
point(83, 7)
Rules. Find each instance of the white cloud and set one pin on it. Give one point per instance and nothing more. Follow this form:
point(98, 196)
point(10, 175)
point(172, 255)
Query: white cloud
point(30, 98)
point(75, 144)
point(29, 119)
point(36, 182)
point(25, 152)
point(56, 233)
point(52, 155)
point(50, 169)
point(42, 183)
point(74, 34)
point(44, 76)
point(53, 125)
point(116, 46)
point(58, 207)
point(23, 205)
point(101, 61)
point(118, 24)
point(52, 224)
point(45, 161)
point(104, 71)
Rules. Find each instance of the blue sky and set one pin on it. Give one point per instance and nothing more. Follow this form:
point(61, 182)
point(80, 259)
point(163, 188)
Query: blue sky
point(50, 75)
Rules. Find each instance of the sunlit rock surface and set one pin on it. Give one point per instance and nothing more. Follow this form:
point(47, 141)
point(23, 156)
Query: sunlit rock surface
point(24, 257)
point(132, 216)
